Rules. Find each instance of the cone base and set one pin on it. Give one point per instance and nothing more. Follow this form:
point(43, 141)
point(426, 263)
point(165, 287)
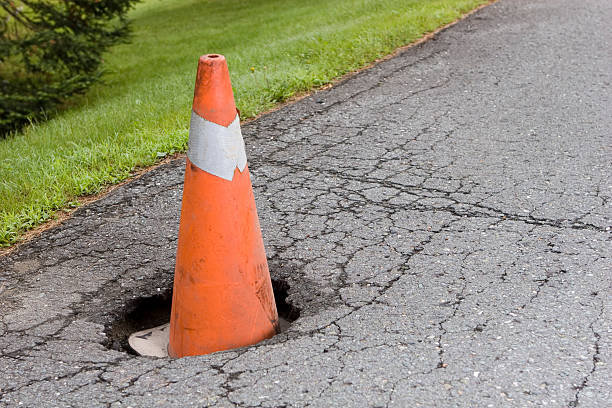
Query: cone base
point(154, 342)
point(151, 342)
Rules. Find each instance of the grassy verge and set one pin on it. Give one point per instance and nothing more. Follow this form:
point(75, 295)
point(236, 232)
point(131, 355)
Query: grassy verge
point(274, 50)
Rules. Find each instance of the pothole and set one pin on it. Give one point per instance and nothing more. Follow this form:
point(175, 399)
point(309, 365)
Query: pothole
point(144, 313)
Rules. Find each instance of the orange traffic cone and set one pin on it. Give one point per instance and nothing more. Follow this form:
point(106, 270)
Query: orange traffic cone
point(223, 295)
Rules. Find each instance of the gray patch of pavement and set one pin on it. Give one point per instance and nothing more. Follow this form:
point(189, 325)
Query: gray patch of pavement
point(442, 220)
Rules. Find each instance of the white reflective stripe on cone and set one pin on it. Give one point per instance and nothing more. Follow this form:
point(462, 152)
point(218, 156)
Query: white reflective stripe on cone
point(216, 149)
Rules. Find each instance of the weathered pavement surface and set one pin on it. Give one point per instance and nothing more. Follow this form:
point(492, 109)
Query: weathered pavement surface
point(443, 221)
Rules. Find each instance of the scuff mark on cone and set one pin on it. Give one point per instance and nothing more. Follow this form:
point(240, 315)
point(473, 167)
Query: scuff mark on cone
point(216, 149)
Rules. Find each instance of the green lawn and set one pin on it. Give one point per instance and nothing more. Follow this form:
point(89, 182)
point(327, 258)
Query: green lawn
point(141, 113)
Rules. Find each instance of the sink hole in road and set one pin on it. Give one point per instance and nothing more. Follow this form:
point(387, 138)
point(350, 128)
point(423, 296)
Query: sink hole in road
point(143, 313)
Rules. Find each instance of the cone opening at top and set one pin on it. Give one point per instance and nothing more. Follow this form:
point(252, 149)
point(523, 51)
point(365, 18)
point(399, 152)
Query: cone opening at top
point(213, 58)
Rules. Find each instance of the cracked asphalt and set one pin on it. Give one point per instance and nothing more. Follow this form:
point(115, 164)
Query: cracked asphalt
point(442, 220)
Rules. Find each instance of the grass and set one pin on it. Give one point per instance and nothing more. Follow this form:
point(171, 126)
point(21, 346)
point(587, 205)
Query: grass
point(141, 113)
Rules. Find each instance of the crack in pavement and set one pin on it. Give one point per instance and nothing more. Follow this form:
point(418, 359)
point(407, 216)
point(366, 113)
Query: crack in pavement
point(596, 359)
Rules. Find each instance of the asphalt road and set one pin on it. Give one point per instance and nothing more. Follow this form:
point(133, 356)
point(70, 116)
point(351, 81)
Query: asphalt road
point(442, 220)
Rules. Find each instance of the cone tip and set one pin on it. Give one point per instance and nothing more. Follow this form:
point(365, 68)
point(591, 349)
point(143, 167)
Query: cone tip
point(213, 97)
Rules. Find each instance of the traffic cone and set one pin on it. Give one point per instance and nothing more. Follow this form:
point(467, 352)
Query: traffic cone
point(223, 296)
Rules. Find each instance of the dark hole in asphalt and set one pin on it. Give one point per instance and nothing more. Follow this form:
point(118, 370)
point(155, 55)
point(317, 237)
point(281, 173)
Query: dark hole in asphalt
point(143, 313)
